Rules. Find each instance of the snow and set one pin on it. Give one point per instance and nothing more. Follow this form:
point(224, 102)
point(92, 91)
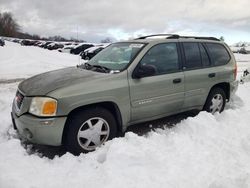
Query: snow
point(203, 151)
point(243, 62)
point(84, 43)
point(92, 49)
point(235, 49)
point(24, 61)
point(67, 48)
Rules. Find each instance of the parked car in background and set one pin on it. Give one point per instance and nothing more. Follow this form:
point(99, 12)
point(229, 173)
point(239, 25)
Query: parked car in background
point(244, 50)
point(80, 48)
point(235, 49)
point(69, 43)
point(27, 42)
point(17, 40)
point(240, 49)
point(67, 48)
point(55, 46)
point(126, 83)
point(91, 52)
point(37, 43)
point(41, 43)
point(47, 44)
point(2, 43)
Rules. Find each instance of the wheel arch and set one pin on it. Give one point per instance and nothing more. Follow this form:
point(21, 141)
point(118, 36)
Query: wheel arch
point(226, 88)
point(109, 105)
point(223, 86)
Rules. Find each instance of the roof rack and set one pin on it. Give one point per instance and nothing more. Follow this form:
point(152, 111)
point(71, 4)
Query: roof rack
point(195, 37)
point(174, 36)
point(155, 35)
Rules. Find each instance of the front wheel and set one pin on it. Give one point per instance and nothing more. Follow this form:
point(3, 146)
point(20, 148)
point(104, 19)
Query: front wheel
point(89, 129)
point(216, 101)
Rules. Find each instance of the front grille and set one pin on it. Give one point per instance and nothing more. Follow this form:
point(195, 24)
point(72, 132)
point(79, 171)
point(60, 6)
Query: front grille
point(19, 99)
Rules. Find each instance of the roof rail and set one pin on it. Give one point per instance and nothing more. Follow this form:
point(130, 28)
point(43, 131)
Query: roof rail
point(155, 35)
point(174, 36)
point(195, 37)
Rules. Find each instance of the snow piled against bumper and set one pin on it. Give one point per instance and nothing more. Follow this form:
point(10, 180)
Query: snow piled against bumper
point(205, 151)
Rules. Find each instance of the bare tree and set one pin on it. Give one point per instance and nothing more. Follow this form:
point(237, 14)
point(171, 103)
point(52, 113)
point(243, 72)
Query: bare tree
point(8, 25)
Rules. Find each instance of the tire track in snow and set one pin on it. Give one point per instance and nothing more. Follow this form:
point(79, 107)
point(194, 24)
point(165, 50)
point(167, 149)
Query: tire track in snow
point(9, 81)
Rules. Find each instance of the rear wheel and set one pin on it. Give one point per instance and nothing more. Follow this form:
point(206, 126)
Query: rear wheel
point(216, 101)
point(89, 129)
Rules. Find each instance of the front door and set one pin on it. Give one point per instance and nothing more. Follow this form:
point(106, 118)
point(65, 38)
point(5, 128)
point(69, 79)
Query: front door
point(162, 93)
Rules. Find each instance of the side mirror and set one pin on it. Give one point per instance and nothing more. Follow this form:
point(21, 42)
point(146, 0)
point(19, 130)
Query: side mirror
point(144, 71)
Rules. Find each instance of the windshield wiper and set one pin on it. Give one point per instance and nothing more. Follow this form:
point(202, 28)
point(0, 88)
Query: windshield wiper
point(87, 66)
point(100, 67)
point(95, 67)
point(84, 66)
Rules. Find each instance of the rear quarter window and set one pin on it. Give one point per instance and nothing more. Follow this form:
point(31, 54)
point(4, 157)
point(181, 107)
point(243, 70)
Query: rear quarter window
point(218, 54)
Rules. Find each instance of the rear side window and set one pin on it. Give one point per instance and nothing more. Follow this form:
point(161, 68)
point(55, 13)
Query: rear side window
point(192, 55)
point(219, 55)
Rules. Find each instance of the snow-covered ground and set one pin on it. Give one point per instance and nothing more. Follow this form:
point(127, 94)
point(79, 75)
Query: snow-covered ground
point(203, 151)
point(24, 61)
point(243, 62)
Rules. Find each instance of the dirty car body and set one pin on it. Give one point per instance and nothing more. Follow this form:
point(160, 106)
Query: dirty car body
point(126, 83)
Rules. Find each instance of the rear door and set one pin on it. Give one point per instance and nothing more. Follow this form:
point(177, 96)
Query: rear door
point(199, 76)
point(220, 57)
point(162, 93)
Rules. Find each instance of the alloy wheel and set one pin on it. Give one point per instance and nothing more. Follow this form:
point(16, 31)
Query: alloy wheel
point(93, 133)
point(216, 103)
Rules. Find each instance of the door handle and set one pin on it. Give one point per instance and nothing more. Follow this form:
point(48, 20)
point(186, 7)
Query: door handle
point(211, 75)
point(177, 80)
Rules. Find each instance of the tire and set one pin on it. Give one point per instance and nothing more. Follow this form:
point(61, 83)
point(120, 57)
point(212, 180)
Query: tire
point(216, 101)
point(88, 129)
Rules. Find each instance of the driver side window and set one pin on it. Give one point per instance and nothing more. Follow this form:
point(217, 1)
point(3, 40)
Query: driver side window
point(163, 57)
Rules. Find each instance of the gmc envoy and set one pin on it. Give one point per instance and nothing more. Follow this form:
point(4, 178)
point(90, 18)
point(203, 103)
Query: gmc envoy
point(126, 83)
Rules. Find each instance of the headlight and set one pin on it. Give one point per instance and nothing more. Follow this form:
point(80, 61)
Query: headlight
point(43, 106)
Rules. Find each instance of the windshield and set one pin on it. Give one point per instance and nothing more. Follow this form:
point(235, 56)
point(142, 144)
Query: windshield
point(117, 56)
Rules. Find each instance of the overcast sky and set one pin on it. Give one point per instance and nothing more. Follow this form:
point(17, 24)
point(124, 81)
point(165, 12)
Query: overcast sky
point(94, 20)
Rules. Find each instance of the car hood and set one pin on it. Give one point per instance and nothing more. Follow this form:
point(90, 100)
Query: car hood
point(42, 84)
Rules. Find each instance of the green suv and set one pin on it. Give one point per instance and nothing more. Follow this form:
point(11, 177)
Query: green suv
point(128, 82)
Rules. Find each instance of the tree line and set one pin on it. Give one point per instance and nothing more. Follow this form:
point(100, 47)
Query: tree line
point(10, 28)
point(8, 25)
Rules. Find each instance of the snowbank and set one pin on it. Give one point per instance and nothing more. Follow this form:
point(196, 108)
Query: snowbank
point(24, 61)
point(243, 61)
point(203, 151)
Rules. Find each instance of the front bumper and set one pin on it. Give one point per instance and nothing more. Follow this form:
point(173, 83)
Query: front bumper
point(45, 131)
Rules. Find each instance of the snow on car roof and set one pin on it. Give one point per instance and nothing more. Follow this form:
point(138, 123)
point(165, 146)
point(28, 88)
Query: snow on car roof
point(92, 49)
point(84, 43)
point(104, 44)
point(52, 44)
